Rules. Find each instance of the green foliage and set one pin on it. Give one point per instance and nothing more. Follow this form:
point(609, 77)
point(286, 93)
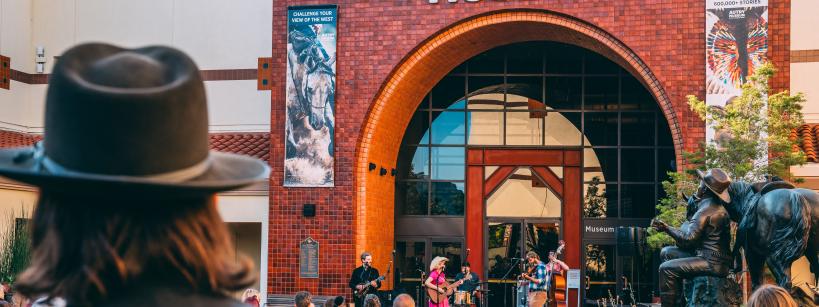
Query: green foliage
point(750, 142)
point(594, 202)
point(15, 249)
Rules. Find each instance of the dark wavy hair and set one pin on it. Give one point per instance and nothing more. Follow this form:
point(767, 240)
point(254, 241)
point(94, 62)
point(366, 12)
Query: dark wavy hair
point(87, 248)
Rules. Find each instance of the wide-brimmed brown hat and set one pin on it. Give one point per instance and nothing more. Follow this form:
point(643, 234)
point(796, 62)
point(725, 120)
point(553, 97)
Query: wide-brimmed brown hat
point(128, 121)
point(717, 181)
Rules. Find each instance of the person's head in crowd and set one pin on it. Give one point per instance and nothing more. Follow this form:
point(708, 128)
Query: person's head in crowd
point(403, 300)
point(126, 207)
point(339, 300)
point(371, 300)
point(770, 295)
point(465, 268)
point(251, 297)
point(303, 299)
point(329, 303)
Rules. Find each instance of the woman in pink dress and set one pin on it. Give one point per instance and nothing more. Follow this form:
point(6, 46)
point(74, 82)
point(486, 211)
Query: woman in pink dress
point(436, 278)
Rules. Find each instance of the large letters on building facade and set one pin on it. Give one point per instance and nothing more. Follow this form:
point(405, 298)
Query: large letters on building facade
point(736, 43)
point(310, 96)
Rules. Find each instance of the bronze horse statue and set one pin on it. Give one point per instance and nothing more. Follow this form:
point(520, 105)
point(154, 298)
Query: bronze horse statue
point(777, 225)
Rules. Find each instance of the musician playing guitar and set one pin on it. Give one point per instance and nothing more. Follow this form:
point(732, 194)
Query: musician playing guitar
point(364, 280)
point(438, 290)
point(539, 277)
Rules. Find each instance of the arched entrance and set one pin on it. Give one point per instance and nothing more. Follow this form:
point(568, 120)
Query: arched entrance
point(404, 89)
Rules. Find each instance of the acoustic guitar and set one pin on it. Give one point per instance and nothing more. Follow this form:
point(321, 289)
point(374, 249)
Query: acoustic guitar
point(449, 289)
point(367, 285)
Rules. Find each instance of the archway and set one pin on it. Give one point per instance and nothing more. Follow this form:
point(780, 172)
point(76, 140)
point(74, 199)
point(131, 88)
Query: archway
point(405, 87)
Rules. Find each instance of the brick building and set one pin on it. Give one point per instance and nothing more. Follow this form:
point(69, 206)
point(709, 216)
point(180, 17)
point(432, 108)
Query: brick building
point(476, 130)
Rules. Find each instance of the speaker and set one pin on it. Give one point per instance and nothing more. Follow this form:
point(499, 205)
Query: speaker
point(308, 210)
point(630, 241)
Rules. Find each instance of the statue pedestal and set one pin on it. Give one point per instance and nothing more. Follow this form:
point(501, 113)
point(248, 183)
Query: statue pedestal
point(712, 291)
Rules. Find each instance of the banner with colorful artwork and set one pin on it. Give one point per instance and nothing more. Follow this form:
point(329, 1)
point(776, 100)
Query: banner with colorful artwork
point(310, 96)
point(736, 44)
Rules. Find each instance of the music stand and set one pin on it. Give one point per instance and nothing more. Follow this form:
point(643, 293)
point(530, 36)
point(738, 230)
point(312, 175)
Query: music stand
point(503, 279)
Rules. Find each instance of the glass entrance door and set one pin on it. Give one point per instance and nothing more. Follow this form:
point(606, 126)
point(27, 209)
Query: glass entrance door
point(509, 240)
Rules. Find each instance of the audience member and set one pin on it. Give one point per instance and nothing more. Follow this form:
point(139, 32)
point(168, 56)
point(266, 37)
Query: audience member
point(371, 300)
point(770, 296)
point(403, 300)
point(251, 297)
point(303, 299)
point(126, 214)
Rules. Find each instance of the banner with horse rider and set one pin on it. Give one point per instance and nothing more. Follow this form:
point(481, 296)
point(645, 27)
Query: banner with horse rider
point(310, 96)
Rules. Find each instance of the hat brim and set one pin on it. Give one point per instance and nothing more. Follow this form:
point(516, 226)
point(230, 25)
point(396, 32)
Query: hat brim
point(724, 196)
point(226, 172)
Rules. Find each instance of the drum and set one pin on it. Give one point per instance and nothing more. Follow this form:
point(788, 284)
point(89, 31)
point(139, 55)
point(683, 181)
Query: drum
point(463, 298)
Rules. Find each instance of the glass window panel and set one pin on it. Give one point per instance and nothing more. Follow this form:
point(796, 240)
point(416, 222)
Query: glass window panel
point(523, 195)
point(638, 200)
point(489, 62)
point(637, 129)
point(447, 198)
point(642, 270)
point(448, 92)
point(599, 199)
point(525, 58)
point(485, 84)
point(412, 197)
point(563, 129)
point(410, 256)
point(485, 128)
point(517, 102)
point(557, 170)
point(492, 101)
point(607, 158)
point(448, 128)
point(448, 163)
point(564, 93)
point(637, 165)
point(542, 238)
point(413, 163)
point(598, 64)
point(453, 252)
point(635, 96)
point(564, 59)
point(503, 245)
point(591, 166)
point(601, 93)
point(663, 132)
point(460, 69)
point(418, 129)
point(529, 87)
point(488, 171)
point(601, 128)
point(600, 271)
point(666, 162)
point(521, 129)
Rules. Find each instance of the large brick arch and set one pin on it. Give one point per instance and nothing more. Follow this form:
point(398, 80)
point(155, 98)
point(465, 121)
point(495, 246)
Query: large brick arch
point(424, 66)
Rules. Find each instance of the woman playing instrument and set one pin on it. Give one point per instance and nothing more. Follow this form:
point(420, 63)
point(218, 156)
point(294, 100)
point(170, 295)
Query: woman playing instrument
point(437, 281)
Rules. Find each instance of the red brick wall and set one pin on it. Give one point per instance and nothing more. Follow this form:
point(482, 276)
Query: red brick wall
point(376, 39)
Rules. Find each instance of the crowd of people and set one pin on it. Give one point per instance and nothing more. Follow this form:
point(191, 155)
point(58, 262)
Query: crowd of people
point(305, 299)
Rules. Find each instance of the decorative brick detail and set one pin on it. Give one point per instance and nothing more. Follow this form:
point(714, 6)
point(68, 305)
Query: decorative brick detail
point(251, 144)
point(9, 139)
point(5, 72)
point(390, 54)
point(804, 56)
point(808, 136)
point(265, 74)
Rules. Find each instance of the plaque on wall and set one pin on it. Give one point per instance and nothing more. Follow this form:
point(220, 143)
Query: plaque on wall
point(308, 258)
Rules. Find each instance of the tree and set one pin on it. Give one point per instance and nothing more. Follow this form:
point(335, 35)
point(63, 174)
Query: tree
point(752, 139)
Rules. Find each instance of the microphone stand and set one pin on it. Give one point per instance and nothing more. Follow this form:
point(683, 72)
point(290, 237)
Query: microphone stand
point(418, 290)
point(503, 280)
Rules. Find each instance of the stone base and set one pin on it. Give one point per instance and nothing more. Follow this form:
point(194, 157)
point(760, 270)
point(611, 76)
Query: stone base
point(706, 291)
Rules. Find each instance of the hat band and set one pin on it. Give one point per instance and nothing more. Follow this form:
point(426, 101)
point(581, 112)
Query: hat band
point(176, 176)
